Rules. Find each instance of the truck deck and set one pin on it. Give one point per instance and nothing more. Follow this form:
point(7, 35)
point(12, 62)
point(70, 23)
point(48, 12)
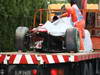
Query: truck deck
point(28, 63)
point(45, 58)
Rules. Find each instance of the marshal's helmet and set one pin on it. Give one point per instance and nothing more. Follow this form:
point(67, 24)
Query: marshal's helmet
point(72, 2)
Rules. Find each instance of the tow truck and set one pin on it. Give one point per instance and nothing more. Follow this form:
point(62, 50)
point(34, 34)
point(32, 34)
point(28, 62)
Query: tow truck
point(35, 63)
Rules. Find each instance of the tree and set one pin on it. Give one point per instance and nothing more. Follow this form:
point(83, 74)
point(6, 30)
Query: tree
point(93, 1)
point(12, 14)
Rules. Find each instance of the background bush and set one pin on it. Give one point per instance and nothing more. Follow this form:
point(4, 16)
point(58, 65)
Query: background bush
point(12, 14)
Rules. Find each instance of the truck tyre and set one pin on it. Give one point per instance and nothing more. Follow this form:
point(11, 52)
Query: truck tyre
point(72, 40)
point(20, 37)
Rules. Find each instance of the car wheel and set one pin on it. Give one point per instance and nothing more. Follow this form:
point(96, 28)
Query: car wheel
point(72, 40)
point(20, 37)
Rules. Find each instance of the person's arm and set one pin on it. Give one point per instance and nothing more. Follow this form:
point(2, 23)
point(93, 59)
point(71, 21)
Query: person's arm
point(67, 14)
point(73, 15)
point(64, 15)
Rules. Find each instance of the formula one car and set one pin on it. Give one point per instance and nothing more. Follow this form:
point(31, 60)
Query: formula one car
point(57, 36)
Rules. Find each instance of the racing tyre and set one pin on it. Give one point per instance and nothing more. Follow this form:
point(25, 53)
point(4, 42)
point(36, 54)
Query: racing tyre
point(20, 37)
point(72, 40)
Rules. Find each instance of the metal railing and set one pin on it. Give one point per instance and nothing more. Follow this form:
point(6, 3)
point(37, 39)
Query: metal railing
point(92, 27)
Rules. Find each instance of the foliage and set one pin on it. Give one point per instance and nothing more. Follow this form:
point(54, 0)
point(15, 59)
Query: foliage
point(93, 1)
point(89, 1)
point(12, 14)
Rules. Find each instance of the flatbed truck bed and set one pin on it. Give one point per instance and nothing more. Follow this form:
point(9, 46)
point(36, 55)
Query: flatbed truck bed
point(40, 58)
point(28, 63)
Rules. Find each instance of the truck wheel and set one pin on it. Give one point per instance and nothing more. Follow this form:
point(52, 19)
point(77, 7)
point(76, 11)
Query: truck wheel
point(20, 37)
point(72, 40)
